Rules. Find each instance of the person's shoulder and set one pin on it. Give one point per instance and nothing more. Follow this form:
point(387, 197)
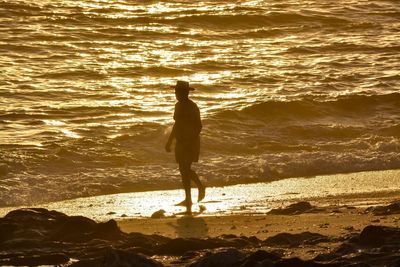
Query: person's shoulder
point(178, 104)
point(192, 103)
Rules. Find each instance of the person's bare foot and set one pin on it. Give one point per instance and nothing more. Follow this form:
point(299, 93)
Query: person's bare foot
point(187, 212)
point(202, 193)
point(184, 203)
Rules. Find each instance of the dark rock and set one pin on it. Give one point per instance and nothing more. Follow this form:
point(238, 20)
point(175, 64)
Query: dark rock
point(107, 230)
point(396, 263)
point(7, 230)
point(261, 255)
point(41, 225)
point(293, 209)
point(189, 255)
point(264, 263)
point(74, 229)
point(50, 259)
point(393, 208)
point(374, 235)
point(260, 258)
point(158, 214)
point(32, 237)
point(182, 245)
point(20, 243)
point(286, 239)
point(326, 257)
point(29, 224)
point(117, 258)
point(346, 248)
point(225, 258)
point(146, 241)
point(87, 263)
point(296, 262)
point(292, 262)
point(358, 264)
point(81, 229)
point(38, 214)
point(235, 241)
point(179, 246)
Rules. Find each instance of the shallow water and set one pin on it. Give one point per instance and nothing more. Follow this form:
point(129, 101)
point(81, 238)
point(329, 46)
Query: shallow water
point(286, 89)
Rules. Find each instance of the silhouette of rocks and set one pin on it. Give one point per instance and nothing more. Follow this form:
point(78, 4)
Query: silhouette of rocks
point(260, 258)
point(44, 225)
point(393, 208)
point(33, 237)
point(234, 257)
point(40, 235)
point(117, 258)
point(374, 246)
point(301, 263)
point(50, 259)
point(293, 209)
point(179, 246)
point(374, 235)
point(261, 255)
point(286, 239)
point(158, 214)
point(226, 258)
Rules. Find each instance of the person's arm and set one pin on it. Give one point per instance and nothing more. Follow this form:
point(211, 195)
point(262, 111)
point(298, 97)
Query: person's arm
point(170, 139)
point(198, 124)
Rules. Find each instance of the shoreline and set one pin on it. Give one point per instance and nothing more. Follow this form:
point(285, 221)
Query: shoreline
point(378, 186)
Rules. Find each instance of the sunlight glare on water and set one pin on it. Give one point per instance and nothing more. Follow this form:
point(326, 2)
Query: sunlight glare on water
point(286, 89)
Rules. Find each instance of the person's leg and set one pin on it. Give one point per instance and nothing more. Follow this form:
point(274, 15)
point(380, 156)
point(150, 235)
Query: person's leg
point(184, 169)
point(200, 186)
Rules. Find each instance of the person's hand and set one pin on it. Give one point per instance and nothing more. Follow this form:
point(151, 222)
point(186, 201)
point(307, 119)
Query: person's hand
point(168, 147)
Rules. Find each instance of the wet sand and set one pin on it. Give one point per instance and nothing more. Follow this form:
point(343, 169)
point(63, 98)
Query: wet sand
point(358, 189)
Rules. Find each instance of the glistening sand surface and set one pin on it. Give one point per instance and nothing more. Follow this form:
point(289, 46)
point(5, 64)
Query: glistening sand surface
point(359, 189)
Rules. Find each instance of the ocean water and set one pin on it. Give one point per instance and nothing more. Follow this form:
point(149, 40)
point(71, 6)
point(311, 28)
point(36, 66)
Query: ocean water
point(285, 88)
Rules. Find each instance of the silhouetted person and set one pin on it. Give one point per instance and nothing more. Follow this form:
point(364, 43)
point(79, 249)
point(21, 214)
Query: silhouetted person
point(186, 132)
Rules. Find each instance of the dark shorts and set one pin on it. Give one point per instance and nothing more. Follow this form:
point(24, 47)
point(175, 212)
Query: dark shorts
point(187, 151)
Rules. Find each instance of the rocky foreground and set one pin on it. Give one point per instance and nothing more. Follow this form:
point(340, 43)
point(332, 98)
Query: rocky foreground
point(32, 237)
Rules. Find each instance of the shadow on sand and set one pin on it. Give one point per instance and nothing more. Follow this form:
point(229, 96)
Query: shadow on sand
point(190, 227)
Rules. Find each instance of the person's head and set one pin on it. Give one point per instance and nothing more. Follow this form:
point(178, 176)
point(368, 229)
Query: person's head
point(182, 89)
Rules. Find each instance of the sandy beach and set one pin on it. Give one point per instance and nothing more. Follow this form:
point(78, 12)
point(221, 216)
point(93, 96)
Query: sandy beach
point(331, 221)
point(358, 226)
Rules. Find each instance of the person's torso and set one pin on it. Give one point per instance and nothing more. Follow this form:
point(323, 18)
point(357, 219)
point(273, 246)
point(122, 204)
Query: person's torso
point(187, 121)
